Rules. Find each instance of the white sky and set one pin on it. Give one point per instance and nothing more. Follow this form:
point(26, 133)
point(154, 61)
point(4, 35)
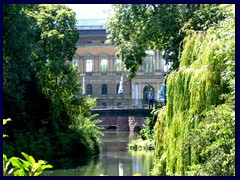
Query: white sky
point(90, 11)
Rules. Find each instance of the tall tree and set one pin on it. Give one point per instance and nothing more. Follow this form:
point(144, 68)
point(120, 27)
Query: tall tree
point(135, 28)
point(42, 92)
point(18, 45)
point(194, 133)
point(57, 38)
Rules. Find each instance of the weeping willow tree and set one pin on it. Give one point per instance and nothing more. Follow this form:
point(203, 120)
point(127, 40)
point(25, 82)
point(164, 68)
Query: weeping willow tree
point(195, 132)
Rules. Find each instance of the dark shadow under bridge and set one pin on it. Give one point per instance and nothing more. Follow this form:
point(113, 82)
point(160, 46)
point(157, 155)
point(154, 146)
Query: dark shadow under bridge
point(122, 117)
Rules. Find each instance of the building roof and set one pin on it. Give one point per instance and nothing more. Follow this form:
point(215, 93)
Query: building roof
point(90, 24)
point(92, 32)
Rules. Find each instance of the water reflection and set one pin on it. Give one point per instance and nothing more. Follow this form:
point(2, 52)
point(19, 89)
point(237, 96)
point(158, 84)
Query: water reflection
point(114, 159)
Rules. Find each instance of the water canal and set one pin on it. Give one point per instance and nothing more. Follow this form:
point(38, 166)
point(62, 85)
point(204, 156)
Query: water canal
point(114, 159)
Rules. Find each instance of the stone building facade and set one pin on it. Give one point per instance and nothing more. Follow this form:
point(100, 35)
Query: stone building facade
point(102, 70)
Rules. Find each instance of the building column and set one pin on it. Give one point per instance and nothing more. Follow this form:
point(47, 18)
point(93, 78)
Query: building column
point(161, 60)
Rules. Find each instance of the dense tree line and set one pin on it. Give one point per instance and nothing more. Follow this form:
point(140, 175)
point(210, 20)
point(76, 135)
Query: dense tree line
point(195, 132)
point(41, 91)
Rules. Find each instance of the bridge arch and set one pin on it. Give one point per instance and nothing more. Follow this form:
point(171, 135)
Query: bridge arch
point(146, 90)
point(137, 128)
point(112, 127)
point(123, 119)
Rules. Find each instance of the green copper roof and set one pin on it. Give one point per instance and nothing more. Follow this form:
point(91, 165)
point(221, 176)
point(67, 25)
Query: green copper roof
point(90, 22)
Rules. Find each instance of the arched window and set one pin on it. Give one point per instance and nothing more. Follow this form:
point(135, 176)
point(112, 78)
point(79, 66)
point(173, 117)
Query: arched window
point(104, 89)
point(145, 93)
point(89, 89)
point(146, 90)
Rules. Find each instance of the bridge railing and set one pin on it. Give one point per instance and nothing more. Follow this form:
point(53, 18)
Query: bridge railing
point(121, 103)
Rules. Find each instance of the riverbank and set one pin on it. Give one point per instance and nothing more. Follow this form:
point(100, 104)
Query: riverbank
point(115, 159)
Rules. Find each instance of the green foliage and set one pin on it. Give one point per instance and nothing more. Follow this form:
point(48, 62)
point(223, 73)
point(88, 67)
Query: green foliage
point(38, 143)
point(28, 167)
point(18, 42)
point(147, 131)
point(135, 28)
point(83, 135)
point(159, 159)
point(21, 167)
point(42, 92)
point(140, 144)
point(204, 17)
point(195, 133)
point(214, 142)
point(145, 136)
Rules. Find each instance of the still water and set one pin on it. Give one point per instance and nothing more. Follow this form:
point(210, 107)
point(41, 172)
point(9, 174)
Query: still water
point(114, 159)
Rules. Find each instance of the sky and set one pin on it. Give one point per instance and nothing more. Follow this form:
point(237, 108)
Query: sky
point(90, 11)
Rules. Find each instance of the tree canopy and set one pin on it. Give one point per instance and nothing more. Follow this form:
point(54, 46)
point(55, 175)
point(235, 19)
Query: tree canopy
point(135, 28)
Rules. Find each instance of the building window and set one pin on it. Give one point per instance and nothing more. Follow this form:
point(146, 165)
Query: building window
point(104, 65)
point(118, 65)
point(75, 63)
point(149, 62)
point(89, 65)
point(136, 94)
point(104, 89)
point(89, 89)
point(117, 88)
point(104, 104)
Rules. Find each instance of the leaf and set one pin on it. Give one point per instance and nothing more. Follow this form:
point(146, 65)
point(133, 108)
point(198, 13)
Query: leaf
point(26, 156)
point(26, 165)
point(19, 172)
point(137, 174)
point(4, 160)
point(41, 168)
point(16, 163)
point(30, 159)
point(37, 165)
point(6, 120)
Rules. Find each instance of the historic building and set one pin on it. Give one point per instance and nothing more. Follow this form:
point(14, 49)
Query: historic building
point(102, 71)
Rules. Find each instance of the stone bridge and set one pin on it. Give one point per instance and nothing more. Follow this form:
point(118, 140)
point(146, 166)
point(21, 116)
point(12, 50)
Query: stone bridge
point(123, 119)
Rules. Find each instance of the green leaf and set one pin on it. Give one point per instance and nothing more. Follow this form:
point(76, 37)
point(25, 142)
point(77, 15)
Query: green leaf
point(4, 160)
point(19, 172)
point(6, 120)
point(37, 165)
point(16, 163)
point(41, 168)
point(26, 165)
point(26, 156)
